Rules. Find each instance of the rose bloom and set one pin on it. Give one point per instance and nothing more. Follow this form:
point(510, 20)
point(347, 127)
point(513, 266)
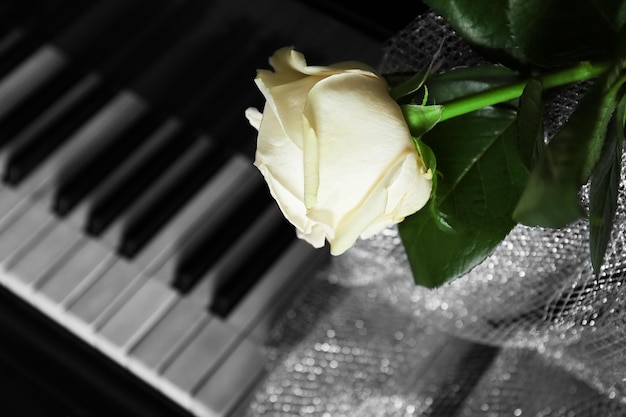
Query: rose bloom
point(335, 150)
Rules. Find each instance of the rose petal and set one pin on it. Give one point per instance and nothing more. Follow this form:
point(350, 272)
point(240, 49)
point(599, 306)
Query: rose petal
point(280, 162)
point(254, 117)
point(359, 138)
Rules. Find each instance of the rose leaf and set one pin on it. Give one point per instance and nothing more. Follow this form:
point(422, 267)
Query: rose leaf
point(560, 32)
point(551, 198)
point(484, 25)
point(603, 190)
point(481, 179)
point(613, 11)
point(530, 123)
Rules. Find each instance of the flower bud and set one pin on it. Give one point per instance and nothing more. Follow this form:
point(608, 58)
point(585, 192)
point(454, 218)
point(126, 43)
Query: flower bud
point(335, 150)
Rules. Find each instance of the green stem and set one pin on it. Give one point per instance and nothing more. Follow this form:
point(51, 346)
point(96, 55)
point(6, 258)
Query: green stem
point(580, 72)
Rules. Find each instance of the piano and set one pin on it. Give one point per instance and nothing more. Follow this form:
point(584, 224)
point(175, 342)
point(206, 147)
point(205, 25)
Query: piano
point(143, 263)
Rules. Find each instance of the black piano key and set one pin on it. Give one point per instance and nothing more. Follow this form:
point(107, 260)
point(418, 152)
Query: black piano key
point(21, 116)
point(130, 187)
point(171, 198)
point(95, 168)
point(44, 16)
point(91, 37)
point(10, 14)
point(224, 81)
point(10, 39)
point(11, 34)
point(192, 59)
point(29, 154)
point(205, 112)
point(232, 129)
point(234, 287)
point(39, 23)
point(215, 242)
point(152, 38)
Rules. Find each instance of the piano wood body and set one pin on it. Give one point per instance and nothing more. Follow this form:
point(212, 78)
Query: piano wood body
point(142, 265)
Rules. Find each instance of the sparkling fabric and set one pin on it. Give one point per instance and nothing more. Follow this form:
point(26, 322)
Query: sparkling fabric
point(529, 332)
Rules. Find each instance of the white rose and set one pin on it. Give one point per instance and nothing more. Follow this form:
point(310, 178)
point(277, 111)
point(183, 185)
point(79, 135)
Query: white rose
point(335, 150)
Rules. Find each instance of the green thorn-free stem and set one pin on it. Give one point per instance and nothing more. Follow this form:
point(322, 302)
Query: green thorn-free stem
point(580, 72)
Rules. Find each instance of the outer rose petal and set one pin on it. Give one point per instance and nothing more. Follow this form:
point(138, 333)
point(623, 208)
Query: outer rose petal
point(279, 160)
point(254, 117)
point(287, 103)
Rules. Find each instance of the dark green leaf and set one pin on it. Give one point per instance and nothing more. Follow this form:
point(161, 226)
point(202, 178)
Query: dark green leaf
point(481, 180)
point(603, 190)
point(613, 11)
point(530, 123)
point(550, 198)
point(532, 33)
point(558, 32)
point(484, 24)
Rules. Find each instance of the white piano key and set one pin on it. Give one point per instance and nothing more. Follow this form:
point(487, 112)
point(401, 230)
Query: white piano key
point(90, 309)
point(36, 70)
point(140, 312)
point(197, 360)
point(215, 193)
point(155, 350)
point(20, 228)
point(112, 119)
point(79, 269)
point(10, 201)
point(259, 310)
point(41, 258)
point(231, 383)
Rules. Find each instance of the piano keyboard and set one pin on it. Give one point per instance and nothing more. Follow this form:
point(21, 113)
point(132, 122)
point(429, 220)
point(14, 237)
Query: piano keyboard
point(130, 212)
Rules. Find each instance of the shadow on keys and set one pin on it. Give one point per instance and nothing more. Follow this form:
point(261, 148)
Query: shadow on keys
point(143, 262)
